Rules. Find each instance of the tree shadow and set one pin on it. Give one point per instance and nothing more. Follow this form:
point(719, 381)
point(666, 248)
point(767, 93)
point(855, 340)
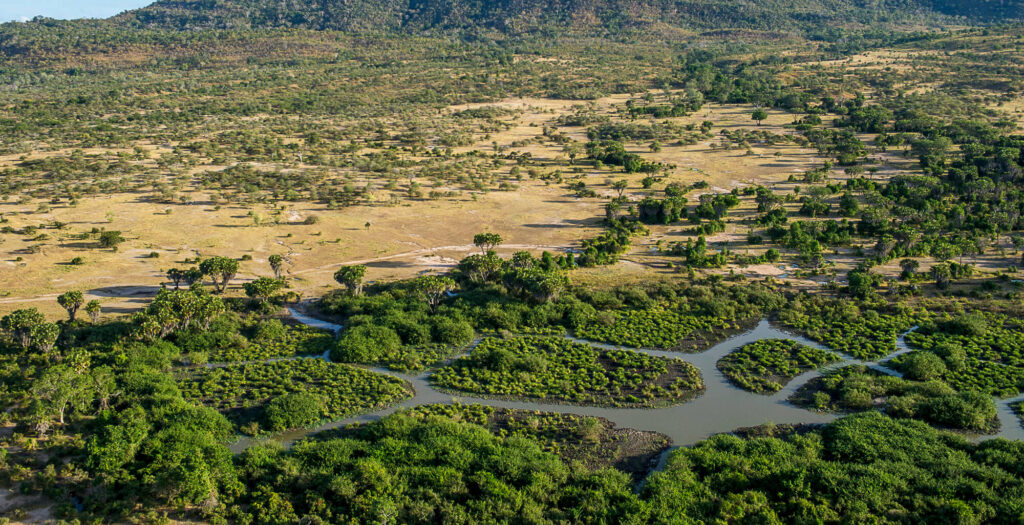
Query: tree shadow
point(126, 291)
point(388, 264)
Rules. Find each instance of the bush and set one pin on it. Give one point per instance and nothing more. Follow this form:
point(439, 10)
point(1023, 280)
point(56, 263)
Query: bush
point(293, 411)
point(269, 330)
point(857, 399)
point(953, 355)
point(972, 325)
point(453, 332)
point(411, 332)
point(923, 366)
point(966, 410)
point(367, 344)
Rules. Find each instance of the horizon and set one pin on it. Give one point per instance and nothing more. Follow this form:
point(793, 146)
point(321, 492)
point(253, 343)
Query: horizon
point(18, 11)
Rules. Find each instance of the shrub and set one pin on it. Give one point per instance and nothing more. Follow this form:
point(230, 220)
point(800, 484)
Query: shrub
point(449, 331)
point(923, 366)
point(367, 344)
point(269, 330)
point(293, 411)
point(966, 410)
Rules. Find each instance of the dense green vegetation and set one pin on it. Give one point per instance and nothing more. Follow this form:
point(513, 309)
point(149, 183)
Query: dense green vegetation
point(517, 17)
point(687, 320)
point(593, 442)
point(423, 470)
point(655, 327)
point(394, 323)
point(856, 388)
point(864, 469)
point(271, 339)
point(766, 366)
point(865, 331)
point(556, 369)
point(976, 351)
point(246, 393)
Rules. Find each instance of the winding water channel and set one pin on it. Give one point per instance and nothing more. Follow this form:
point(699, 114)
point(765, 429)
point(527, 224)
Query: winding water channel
point(722, 408)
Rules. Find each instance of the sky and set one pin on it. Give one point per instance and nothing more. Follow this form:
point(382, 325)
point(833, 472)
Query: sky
point(21, 10)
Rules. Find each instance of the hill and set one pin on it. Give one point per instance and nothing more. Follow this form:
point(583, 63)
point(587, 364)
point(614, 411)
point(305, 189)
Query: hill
point(516, 16)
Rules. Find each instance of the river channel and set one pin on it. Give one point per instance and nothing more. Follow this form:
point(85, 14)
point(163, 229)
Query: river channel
point(722, 408)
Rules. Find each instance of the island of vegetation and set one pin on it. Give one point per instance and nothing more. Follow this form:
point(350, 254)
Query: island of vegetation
point(766, 366)
point(560, 370)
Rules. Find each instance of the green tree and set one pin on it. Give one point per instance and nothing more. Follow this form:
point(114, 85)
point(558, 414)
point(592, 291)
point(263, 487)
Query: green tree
point(71, 301)
point(573, 150)
point(908, 267)
point(111, 239)
point(942, 275)
point(174, 310)
point(187, 465)
point(61, 389)
point(221, 270)
point(923, 366)
point(263, 289)
point(103, 385)
point(276, 264)
point(20, 323)
point(293, 411)
point(192, 275)
point(759, 115)
point(487, 241)
point(93, 308)
point(175, 275)
point(44, 336)
point(620, 186)
point(481, 268)
point(367, 344)
point(351, 277)
point(434, 288)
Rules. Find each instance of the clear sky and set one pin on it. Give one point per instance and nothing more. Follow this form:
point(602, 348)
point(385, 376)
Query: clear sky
point(26, 9)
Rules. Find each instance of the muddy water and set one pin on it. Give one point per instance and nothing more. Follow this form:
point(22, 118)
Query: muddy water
point(722, 408)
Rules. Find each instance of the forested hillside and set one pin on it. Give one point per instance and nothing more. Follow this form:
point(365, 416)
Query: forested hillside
point(514, 16)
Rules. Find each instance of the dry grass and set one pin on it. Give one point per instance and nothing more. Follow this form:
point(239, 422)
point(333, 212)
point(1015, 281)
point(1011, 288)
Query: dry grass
point(410, 237)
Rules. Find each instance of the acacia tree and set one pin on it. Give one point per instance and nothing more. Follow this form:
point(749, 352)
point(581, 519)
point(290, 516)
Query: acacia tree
point(263, 288)
point(174, 310)
point(71, 301)
point(908, 268)
point(351, 277)
point(93, 308)
point(19, 324)
point(61, 389)
point(620, 186)
point(487, 241)
point(175, 275)
point(111, 239)
point(434, 288)
point(276, 264)
point(221, 270)
point(192, 276)
point(103, 385)
point(44, 336)
point(940, 272)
